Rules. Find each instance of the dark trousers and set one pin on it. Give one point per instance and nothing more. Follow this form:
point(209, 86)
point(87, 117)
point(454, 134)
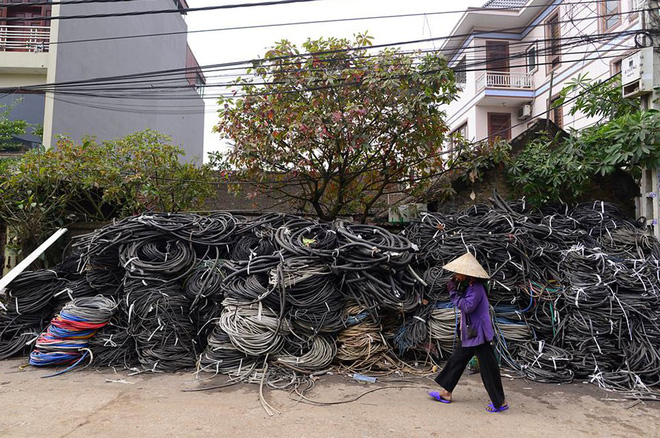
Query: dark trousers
point(488, 367)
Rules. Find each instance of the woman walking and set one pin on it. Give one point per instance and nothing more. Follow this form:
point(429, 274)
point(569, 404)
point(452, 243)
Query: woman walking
point(468, 294)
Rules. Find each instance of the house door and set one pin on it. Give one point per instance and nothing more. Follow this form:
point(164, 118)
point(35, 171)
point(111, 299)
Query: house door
point(499, 126)
point(497, 64)
point(497, 56)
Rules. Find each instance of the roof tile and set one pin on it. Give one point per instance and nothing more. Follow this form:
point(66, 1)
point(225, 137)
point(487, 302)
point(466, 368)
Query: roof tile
point(504, 4)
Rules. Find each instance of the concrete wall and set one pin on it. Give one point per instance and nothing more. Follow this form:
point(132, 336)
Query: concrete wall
point(108, 118)
point(28, 107)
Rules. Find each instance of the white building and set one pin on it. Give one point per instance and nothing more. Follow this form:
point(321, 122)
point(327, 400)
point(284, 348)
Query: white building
point(34, 52)
point(513, 57)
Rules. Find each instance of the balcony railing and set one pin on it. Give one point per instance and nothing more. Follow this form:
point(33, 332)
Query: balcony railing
point(505, 80)
point(24, 38)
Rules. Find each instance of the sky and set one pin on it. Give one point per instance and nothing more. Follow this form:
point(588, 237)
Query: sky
point(239, 45)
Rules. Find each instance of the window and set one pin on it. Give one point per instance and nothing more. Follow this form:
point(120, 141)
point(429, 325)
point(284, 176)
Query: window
point(610, 14)
point(531, 58)
point(457, 136)
point(616, 67)
point(557, 112)
point(459, 71)
point(633, 10)
point(461, 131)
point(553, 36)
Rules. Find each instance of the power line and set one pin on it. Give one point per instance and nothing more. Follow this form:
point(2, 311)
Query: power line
point(476, 61)
point(210, 8)
point(295, 23)
point(229, 84)
point(153, 89)
point(261, 61)
point(66, 2)
point(158, 11)
point(278, 92)
point(150, 81)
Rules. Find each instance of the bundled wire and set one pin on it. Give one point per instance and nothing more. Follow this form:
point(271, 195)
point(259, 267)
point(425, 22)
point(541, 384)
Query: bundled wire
point(301, 237)
point(545, 363)
point(32, 292)
point(222, 357)
point(415, 330)
point(364, 246)
point(66, 339)
point(361, 346)
point(114, 346)
point(158, 318)
point(250, 246)
point(315, 355)
point(314, 303)
point(27, 309)
point(375, 289)
point(444, 327)
point(255, 330)
point(205, 282)
point(173, 259)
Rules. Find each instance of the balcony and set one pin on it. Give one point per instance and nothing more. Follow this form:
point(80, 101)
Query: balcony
point(33, 39)
point(24, 51)
point(505, 80)
point(499, 88)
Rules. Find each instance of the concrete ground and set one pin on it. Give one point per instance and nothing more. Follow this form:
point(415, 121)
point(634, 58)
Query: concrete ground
point(104, 403)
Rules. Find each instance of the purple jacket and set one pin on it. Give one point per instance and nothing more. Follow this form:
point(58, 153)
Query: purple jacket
point(473, 303)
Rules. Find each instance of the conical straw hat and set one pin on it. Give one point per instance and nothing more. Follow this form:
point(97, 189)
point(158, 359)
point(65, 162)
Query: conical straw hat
point(467, 264)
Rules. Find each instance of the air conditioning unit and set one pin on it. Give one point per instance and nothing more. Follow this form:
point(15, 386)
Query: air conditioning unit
point(525, 112)
point(637, 73)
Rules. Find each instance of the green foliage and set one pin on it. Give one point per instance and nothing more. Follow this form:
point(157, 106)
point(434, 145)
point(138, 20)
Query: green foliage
point(333, 128)
point(629, 142)
point(597, 98)
point(467, 164)
point(626, 138)
point(95, 181)
point(9, 129)
point(546, 171)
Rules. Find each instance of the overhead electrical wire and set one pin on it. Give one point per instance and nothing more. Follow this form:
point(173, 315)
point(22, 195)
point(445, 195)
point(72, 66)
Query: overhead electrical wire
point(298, 23)
point(156, 12)
point(251, 62)
point(86, 82)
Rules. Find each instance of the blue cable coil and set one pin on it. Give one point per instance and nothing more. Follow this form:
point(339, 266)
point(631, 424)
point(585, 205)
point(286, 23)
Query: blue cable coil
point(42, 358)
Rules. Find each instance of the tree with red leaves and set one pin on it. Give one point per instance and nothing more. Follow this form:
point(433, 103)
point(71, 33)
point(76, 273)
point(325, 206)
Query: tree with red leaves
point(335, 127)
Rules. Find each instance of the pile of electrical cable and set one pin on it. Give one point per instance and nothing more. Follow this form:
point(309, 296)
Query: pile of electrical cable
point(28, 307)
point(66, 340)
point(240, 296)
point(610, 318)
point(582, 279)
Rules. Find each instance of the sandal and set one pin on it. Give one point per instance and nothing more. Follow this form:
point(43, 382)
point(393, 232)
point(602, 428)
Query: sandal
point(492, 408)
point(436, 395)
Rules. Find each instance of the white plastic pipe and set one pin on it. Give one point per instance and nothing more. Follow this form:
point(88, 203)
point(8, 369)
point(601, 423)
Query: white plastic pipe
point(4, 282)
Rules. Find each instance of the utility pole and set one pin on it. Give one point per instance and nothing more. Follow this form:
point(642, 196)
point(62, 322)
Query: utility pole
point(641, 76)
